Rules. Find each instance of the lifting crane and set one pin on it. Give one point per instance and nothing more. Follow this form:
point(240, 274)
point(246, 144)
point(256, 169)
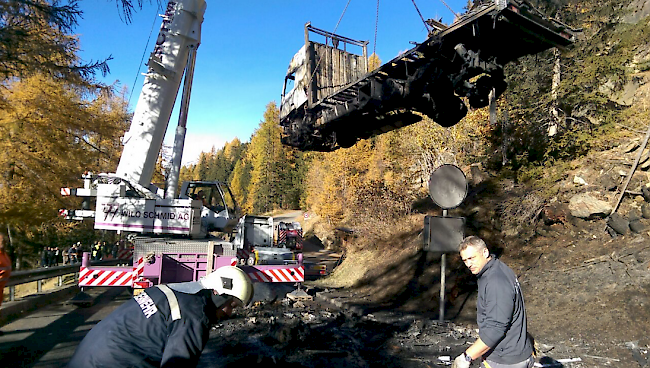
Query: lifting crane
point(172, 233)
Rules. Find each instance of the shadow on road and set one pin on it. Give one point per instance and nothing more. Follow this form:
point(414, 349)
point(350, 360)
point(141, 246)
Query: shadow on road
point(57, 339)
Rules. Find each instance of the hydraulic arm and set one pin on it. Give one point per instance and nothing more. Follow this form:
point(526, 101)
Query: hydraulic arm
point(180, 33)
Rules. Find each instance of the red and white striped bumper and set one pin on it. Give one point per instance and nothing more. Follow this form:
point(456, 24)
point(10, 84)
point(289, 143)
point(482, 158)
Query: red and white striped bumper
point(105, 277)
point(275, 273)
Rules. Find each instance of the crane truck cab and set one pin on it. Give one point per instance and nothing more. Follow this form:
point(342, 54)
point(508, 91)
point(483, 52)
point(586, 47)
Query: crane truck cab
point(220, 211)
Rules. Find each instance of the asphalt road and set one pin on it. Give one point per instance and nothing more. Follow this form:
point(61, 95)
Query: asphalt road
point(49, 336)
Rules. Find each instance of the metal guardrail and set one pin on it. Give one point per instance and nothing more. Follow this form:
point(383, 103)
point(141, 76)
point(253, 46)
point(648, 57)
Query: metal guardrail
point(38, 275)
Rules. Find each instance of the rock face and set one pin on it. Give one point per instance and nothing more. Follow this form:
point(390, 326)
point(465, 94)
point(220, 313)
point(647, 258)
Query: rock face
point(639, 9)
point(587, 207)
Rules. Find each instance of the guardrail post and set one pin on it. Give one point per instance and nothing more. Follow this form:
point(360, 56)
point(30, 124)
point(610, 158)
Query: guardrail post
point(39, 286)
point(85, 260)
point(12, 293)
point(60, 281)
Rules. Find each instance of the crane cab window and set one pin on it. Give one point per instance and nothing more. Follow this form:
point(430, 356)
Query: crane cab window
point(211, 196)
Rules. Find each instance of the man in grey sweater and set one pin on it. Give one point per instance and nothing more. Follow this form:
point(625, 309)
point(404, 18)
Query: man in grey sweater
point(500, 312)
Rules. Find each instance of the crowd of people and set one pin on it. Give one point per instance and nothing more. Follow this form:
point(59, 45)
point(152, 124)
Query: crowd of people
point(100, 250)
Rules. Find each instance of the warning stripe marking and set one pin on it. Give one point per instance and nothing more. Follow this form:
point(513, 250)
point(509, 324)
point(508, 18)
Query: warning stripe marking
point(295, 274)
point(90, 277)
point(138, 269)
point(125, 254)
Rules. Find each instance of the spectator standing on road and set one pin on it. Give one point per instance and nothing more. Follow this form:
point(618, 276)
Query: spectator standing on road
point(44, 257)
point(5, 264)
point(96, 251)
point(57, 256)
point(164, 326)
point(47, 257)
point(105, 250)
point(72, 254)
point(51, 257)
point(500, 312)
point(80, 252)
point(114, 250)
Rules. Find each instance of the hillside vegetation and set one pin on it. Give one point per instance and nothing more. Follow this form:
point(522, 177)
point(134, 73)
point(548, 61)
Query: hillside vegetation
point(586, 278)
point(567, 137)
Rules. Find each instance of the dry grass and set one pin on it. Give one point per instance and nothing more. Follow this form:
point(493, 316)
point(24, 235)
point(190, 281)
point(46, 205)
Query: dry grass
point(31, 288)
point(371, 254)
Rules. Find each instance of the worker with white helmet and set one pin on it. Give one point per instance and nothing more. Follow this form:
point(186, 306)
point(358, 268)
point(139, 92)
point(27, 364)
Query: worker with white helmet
point(164, 326)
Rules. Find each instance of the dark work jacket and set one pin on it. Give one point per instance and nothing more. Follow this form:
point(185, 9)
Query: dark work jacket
point(501, 314)
point(127, 338)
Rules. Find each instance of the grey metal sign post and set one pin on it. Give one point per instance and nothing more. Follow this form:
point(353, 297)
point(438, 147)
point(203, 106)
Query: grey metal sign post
point(447, 188)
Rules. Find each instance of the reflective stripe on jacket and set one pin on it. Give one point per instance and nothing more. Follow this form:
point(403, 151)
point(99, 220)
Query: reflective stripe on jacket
point(143, 332)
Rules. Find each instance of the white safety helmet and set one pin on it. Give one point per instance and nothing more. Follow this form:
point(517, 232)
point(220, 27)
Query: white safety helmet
point(230, 280)
point(226, 281)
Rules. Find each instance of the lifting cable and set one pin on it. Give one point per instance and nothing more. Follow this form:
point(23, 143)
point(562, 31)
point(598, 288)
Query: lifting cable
point(374, 45)
point(450, 9)
point(311, 78)
point(426, 25)
point(144, 52)
point(341, 17)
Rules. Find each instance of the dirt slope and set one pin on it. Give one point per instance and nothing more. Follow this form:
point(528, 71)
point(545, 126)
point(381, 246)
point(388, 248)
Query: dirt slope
point(587, 293)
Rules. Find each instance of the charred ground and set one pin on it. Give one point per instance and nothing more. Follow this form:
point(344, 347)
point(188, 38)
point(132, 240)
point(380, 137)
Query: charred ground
point(587, 293)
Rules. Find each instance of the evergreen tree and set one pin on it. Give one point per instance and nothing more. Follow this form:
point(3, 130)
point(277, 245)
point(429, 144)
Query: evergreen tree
point(241, 178)
point(35, 37)
point(202, 167)
point(264, 151)
point(49, 135)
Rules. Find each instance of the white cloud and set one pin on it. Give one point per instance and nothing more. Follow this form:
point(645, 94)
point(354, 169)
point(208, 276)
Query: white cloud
point(195, 143)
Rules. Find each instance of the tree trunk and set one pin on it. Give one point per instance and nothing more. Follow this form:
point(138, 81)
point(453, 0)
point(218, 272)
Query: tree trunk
point(493, 106)
point(555, 84)
point(16, 250)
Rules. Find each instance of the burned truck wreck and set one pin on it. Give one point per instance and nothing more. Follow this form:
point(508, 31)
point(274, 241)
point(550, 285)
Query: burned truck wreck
point(330, 99)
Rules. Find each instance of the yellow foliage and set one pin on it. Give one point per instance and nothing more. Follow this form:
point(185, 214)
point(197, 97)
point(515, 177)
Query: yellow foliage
point(50, 135)
point(378, 178)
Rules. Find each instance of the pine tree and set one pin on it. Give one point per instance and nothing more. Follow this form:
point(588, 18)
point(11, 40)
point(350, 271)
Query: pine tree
point(49, 135)
point(263, 153)
point(202, 167)
point(241, 177)
point(35, 37)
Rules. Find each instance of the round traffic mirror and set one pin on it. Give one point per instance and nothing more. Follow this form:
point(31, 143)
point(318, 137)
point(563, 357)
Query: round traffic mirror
point(448, 186)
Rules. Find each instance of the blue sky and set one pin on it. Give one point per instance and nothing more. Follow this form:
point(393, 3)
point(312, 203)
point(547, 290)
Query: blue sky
point(245, 49)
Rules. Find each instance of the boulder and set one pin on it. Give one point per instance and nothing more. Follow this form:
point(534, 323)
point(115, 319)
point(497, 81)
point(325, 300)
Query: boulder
point(646, 193)
point(587, 207)
point(619, 224)
point(578, 180)
point(631, 146)
point(637, 226)
point(633, 215)
point(645, 210)
point(609, 181)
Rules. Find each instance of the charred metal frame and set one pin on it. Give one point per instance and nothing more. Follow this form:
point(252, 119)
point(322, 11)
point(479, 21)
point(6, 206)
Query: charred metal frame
point(429, 79)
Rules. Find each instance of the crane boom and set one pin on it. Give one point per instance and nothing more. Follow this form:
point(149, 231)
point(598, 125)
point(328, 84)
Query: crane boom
point(180, 31)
